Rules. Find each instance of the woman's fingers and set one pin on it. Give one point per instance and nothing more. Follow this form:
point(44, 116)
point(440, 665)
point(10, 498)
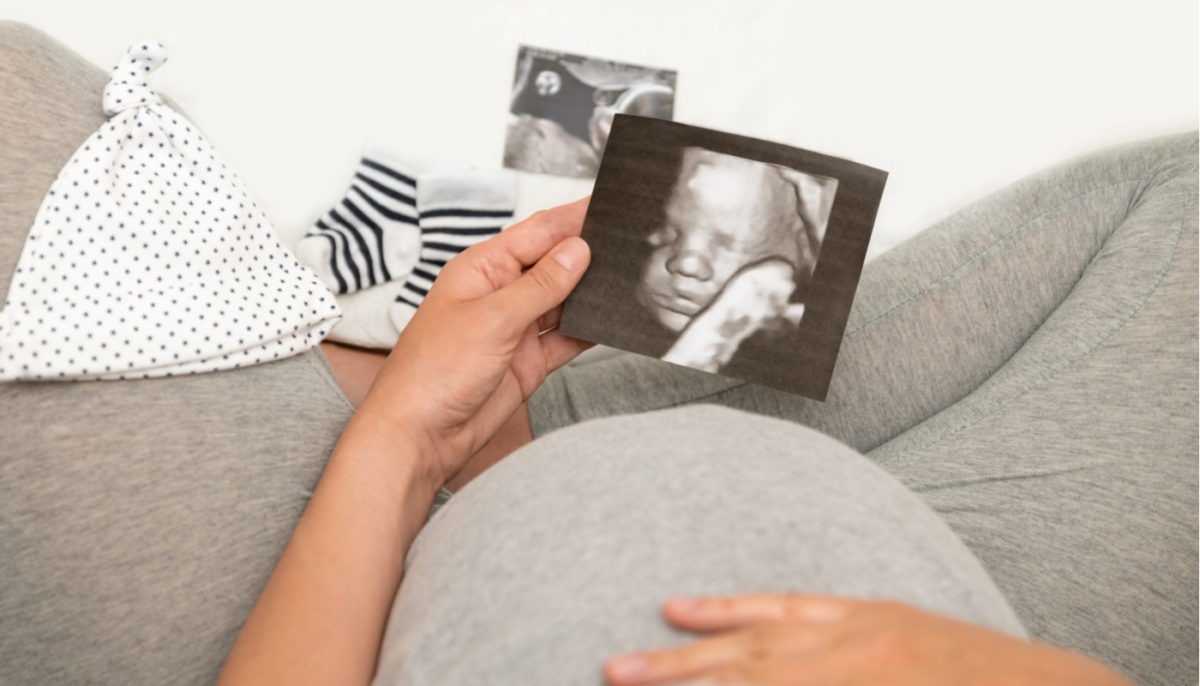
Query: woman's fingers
point(762, 629)
point(527, 241)
point(798, 640)
point(665, 666)
point(544, 285)
point(497, 262)
point(721, 613)
point(757, 645)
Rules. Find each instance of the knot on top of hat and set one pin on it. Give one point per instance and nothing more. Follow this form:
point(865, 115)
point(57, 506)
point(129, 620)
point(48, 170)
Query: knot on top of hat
point(129, 86)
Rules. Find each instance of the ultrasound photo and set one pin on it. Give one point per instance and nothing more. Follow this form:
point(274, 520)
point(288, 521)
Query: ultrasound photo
point(723, 253)
point(563, 106)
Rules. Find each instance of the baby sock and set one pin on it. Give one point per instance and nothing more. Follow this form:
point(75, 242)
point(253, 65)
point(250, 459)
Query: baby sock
point(372, 235)
point(457, 210)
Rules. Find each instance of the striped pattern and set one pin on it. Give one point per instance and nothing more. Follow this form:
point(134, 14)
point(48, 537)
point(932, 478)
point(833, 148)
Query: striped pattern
point(363, 240)
point(446, 232)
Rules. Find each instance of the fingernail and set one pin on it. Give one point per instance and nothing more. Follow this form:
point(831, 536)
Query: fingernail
point(629, 667)
point(570, 253)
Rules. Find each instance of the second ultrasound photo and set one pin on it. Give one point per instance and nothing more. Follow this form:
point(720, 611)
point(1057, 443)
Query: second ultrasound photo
point(563, 105)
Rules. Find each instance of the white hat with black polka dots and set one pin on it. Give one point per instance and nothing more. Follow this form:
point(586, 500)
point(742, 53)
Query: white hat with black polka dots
point(148, 257)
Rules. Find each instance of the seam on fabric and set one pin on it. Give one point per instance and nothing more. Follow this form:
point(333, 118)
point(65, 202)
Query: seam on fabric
point(326, 374)
point(709, 396)
point(1086, 354)
point(571, 408)
point(975, 257)
point(1005, 478)
point(565, 409)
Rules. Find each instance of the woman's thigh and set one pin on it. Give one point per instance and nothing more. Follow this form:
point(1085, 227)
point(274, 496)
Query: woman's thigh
point(138, 519)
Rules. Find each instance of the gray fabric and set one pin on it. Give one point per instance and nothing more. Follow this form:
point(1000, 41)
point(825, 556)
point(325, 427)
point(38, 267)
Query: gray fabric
point(138, 519)
point(632, 510)
point(1029, 367)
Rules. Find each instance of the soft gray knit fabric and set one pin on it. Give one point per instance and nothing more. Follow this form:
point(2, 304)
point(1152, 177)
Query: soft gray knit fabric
point(1029, 367)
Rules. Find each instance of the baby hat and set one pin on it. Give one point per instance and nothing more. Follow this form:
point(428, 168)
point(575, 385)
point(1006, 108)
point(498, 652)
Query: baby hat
point(148, 257)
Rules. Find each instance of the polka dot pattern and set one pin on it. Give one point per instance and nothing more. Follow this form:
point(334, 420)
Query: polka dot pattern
point(149, 258)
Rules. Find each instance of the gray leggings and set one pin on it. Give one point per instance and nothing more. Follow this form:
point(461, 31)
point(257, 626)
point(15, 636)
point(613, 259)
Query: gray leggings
point(1026, 368)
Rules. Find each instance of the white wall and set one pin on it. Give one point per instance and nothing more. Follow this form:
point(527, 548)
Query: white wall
point(954, 98)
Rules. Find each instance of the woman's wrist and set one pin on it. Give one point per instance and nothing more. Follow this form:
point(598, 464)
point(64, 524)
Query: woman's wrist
point(408, 453)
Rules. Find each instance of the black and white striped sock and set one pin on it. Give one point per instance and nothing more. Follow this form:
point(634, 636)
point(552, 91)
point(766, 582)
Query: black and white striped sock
point(457, 210)
point(372, 235)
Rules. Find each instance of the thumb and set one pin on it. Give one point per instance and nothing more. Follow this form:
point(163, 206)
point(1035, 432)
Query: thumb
point(544, 285)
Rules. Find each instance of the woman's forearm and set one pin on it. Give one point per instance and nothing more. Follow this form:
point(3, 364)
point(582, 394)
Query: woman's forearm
point(321, 617)
point(483, 339)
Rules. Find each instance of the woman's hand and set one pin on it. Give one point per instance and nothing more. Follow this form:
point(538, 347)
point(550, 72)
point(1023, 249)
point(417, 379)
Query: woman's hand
point(469, 356)
point(484, 338)
point(794, 639)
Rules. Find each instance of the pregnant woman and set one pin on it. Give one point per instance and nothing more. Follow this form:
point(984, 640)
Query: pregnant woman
point(1001, 486)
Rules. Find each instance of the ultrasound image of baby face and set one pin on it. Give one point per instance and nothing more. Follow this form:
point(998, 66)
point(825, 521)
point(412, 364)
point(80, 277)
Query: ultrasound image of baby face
point(725, 213)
